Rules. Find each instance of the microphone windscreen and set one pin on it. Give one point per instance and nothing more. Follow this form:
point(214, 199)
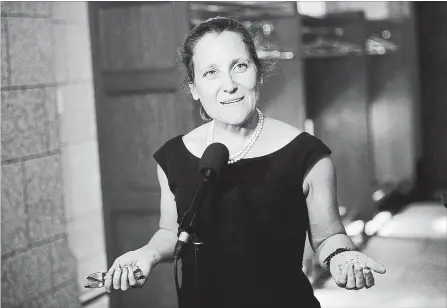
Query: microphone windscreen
point(215, 158)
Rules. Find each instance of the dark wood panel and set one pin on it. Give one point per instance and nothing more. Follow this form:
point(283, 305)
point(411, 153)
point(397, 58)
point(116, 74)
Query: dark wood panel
point(282, 94)
point(137, 125)
point(336, 90)
point(391, 119)
point(133, 201)
point(432, 33)
point(141, 36)
point(141, 81)
point(139, 106)
point(337, 102)
point(121, 4)
point(133, 230)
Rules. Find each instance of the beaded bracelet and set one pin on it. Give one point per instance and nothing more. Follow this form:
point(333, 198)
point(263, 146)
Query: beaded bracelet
point(327, 261)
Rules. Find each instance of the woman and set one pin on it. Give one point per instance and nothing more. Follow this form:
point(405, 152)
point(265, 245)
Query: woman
point(279, 184)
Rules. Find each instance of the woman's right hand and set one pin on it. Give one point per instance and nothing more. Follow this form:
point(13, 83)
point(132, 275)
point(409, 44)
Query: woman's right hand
point(121, 274)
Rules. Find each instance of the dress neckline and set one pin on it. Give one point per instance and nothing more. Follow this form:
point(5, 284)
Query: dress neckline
point(248, 158)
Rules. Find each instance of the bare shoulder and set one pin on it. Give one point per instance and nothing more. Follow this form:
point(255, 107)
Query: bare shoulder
point(195, 140)
point(323, 169)
point(275, 135)
point(281, 131)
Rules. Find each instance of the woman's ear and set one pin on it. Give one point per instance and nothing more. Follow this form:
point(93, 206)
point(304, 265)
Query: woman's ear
point(193, 90)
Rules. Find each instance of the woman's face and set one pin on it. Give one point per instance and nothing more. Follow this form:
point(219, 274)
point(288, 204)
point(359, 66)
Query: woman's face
point(225, 77)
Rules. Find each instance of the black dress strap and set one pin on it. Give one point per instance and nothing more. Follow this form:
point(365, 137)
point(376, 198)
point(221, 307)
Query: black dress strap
point(167, 152)
point(315, 150)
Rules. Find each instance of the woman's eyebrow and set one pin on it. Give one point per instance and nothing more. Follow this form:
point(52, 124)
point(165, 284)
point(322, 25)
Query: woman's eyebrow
point(208, 66)
point(236, 61)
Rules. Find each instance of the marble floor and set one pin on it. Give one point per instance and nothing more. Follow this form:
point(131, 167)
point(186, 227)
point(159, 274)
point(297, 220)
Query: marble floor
point(413, 248)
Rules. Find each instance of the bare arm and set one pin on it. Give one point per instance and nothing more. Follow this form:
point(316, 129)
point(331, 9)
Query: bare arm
point(162, 244)
point(326, 232)
point(160, 247)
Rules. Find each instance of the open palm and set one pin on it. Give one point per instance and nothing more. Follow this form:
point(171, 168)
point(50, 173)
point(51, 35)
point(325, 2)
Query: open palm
point(352, 270)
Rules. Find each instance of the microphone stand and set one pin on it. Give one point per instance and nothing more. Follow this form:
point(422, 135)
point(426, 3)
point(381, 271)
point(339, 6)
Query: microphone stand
point(197, 246)
point(213, 160)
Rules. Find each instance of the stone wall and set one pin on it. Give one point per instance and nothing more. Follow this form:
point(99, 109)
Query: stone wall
point(51, 216)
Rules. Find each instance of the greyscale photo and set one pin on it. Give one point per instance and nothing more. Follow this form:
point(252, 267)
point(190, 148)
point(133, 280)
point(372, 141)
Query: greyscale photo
point(223, 154)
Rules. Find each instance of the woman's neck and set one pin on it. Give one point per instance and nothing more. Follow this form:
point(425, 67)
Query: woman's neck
point(235, 136)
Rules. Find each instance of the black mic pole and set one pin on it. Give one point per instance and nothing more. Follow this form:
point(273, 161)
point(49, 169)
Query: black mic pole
point(187, 228)
point(213, 160)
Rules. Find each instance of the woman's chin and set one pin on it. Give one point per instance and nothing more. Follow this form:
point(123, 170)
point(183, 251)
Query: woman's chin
point(236, 114)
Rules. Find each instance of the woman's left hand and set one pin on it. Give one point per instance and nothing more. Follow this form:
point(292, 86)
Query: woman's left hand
point(352, 270)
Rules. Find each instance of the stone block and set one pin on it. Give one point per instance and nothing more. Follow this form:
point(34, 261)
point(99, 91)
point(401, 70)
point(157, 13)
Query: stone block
point(31, 51)
point(60, 52)
point(53, 125)
point(14, 235)
point(45, 226)
point(62, 298)
point(26, 275)
point(78, 117)
point(44, 197)
point(79, 60)
point(13, 206)
point(25, 122)
point(27, 8)
point(13, 213)
point(44, 186)
point(64, 264)
point(5, 54)
point(82, 183)
point(65, 297)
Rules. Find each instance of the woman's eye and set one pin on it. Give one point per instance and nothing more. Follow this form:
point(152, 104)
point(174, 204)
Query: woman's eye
point(241, 67)
point(210, 73)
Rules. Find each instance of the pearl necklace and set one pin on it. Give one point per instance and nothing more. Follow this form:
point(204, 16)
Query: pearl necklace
point(241, 154)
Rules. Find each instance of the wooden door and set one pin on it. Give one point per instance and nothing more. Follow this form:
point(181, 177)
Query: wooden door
point(139, 106)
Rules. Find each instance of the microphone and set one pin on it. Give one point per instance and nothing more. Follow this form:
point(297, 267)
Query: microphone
point(211, 164)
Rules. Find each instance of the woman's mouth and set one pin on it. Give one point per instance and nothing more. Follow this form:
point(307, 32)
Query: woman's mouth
point(232, 101)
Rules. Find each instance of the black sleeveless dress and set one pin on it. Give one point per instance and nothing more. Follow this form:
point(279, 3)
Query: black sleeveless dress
point(253, 225)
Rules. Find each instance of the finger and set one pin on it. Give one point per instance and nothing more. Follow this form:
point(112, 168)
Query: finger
point(369, 278)
point(112, 268)
point(109, 275)
point(359, 278)
point(350, 284)
point(124, 281)
point(342, 279)
point(108, 283)
point(375, 266)
point(131, 277)
point(117, 278)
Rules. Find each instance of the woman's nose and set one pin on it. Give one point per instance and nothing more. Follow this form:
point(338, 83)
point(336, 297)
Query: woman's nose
point(229, 85)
